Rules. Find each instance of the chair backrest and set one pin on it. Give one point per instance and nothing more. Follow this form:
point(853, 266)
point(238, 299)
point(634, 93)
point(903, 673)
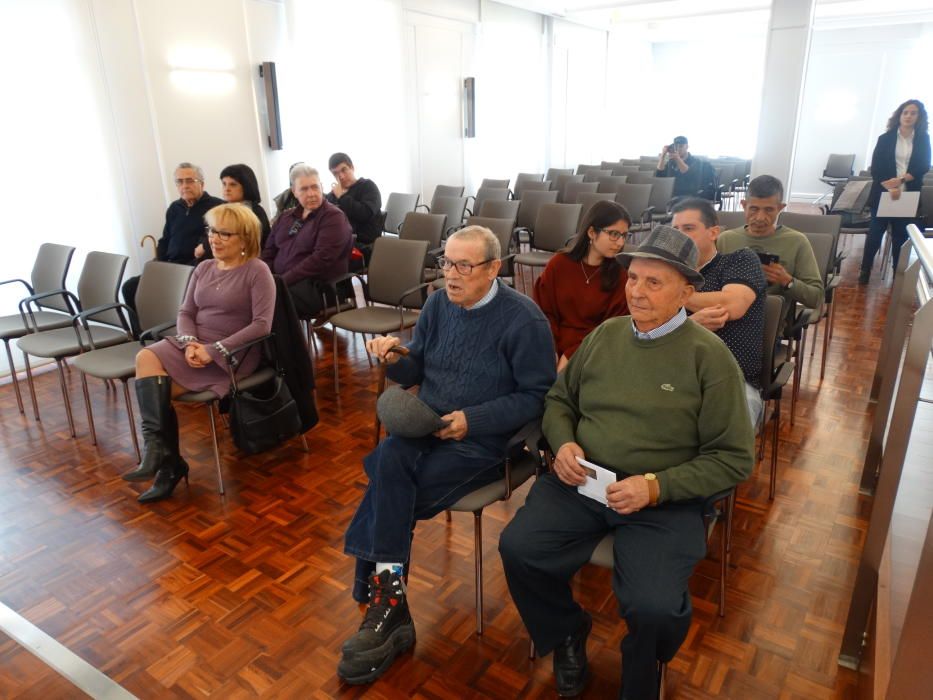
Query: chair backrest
point(573, 189)
point(631, 161)
point(489, 183)
point(523, 179)
point(531, 186)
point(595, 175)
point(529, 205)
point(487, 194)
point(500, 209)
point(646, 167)
point(588, 199)
point(99, 284)
point(625, 170)
point(774, 313)
point(726, 174)
point(830, 224)
point(609, 165)
point(450, 207)
point(561, 180)
point(926, 205)
point(503, 230)
point(554, 225)
point(397, 205)
point(584, 169)
point(396, 265)
point(49, 273)
point(429, 228)
point(839, 165)
point(822, 245)
point(446, 191)
point(640, 178)
point(610, 183)
point(662, 189)
point(161, 291)
point(552, 173)
point(634, 198)
point(731, 219)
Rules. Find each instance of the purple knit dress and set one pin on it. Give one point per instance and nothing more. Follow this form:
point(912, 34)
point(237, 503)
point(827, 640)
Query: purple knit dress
point(228, 307)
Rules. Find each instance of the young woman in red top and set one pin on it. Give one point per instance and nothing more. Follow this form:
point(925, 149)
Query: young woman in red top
point(584, 285)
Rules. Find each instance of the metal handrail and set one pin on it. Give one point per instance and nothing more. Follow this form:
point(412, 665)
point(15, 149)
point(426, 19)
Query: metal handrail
point(924, 253)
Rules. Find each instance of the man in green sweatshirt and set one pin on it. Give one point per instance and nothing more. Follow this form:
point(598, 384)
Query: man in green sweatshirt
point(795, 274)
point(658, 401)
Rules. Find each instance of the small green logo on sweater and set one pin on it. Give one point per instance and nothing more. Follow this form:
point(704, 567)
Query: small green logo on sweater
point(667, 387)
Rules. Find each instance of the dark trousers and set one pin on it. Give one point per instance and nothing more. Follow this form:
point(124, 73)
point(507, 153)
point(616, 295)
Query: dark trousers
point(410, 480)
point(656, 550)
point(307, 297)
point(876, 233)
point(129, 298)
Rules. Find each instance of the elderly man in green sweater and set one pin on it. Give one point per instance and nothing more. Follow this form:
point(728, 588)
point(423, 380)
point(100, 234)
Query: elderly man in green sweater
point(659, 402)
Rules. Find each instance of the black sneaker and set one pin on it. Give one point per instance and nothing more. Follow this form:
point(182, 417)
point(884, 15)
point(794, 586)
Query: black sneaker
point(570, 667)
point(386, 632)
point(864, 276)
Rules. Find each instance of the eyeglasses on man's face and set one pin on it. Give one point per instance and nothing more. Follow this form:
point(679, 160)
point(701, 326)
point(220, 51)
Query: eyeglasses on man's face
point(464, 267)
point(613, 234)
point(179, 181)
point(222, 235)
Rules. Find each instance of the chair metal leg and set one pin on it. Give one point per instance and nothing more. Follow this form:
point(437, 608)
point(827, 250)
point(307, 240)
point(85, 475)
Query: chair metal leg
point(798, 370)
point(723, 558)
point(774, 448)
point(220, 476)
point(32, 387)
point(132, 418)
point(531, 649)
point(662, 679)
point(61, 378)
point(478, 555)
point(87, 408)
point(304, 444)
point(336, 378)
point(827, 336)
point(369, 358)
point(9, 359)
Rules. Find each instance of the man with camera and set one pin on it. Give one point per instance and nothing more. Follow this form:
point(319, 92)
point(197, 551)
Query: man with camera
point(675, 161)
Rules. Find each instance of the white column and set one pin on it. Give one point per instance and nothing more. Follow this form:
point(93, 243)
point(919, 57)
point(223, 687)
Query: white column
point(782, 93)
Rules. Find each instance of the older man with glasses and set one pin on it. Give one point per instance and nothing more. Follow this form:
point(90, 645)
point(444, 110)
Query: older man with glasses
point(484, 359)
point(310, 243)
point(184, 224)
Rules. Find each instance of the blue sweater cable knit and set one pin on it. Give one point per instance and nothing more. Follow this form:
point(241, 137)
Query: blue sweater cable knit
point(495, 363)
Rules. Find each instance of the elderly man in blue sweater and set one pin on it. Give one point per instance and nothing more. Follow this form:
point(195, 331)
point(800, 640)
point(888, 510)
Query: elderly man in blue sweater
point(484, 359)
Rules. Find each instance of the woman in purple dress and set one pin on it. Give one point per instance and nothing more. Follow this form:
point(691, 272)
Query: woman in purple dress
point(229, 302)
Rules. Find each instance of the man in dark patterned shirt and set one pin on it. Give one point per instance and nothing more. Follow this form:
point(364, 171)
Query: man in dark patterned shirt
point(731, 302)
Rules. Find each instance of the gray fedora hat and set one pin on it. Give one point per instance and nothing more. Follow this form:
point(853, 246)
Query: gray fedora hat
point(405, 415)
point(669, 245)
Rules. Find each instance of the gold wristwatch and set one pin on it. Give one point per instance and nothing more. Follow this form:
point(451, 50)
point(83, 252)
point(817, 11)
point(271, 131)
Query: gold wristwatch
point(654, 488)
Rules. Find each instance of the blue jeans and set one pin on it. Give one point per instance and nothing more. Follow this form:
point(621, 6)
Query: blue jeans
point(410, 480)
point(876, 233)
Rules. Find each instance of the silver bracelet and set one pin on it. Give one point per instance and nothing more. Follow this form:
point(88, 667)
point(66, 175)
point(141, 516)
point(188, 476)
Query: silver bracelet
point(221, 349)
point(186, 339)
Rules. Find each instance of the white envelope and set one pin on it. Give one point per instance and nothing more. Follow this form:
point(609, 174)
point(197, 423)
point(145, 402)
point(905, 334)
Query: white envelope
point(597, 480)
point(904, 207)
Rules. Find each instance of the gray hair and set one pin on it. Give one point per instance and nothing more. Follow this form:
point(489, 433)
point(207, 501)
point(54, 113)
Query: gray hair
point(191, 166)
point(301, 170)
point(493, 251)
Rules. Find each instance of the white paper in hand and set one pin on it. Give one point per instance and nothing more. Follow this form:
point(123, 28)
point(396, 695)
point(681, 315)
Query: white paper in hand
point(597, 480)
point(904, 207)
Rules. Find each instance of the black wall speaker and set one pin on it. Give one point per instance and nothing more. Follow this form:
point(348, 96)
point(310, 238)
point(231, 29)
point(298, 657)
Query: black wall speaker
point(469, 108)
point(273, 119)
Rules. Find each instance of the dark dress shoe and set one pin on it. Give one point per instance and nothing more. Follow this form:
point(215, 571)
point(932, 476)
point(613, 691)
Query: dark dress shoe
point(166, 480)
point(570, 668)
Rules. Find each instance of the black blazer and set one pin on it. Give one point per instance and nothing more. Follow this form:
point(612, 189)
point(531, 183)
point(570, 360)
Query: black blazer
point(884, 168)
point(292, 354)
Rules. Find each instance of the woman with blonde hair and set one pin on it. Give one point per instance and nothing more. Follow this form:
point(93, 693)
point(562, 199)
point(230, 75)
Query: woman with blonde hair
point(229, 302)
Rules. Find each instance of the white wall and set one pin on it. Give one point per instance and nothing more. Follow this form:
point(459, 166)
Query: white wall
point(856, 78)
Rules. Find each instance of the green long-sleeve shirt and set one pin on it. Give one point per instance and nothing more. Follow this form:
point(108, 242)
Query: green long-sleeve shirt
point(796, 255)
point(674, 406)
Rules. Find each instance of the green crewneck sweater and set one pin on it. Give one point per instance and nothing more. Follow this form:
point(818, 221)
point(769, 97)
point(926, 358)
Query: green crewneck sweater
point(795, 253)
point(674, 406)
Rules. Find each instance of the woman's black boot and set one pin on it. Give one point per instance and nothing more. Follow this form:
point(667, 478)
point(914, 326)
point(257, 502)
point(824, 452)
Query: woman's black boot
point(166, 480)
point(158, 420)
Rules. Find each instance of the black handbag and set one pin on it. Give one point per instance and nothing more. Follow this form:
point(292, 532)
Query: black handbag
point(263, 417)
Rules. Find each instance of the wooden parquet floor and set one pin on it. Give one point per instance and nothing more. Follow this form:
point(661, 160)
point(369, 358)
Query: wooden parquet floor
point(248, 595)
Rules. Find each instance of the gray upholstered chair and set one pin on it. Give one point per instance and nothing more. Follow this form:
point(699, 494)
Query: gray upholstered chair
point(500, 209)
point(54, 311)
point(528, 208)
point(560, 184)
point(441, 191)
point(775, 373)
point(555, 225)
point(99, 324)
point(522, 179)
point(531, 185)
point(596, 175)
point(552, 174)
point(731, 219)
point(494, 184)
point(161, 291)
point(587, 199)
point(393, 288)
point(487, 194)
point(450, 207)
point(430, 228)
point(609, 184)
point(572, 191)
point(397, 206)
point(635, 197)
